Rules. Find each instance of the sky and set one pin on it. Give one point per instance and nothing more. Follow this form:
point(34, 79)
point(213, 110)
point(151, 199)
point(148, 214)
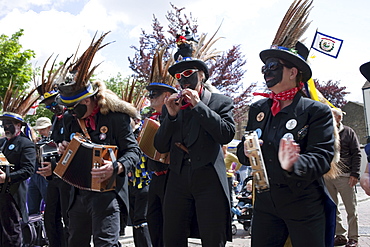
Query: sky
point(59, 26)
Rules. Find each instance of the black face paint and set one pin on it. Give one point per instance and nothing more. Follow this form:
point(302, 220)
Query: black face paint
point(189, 82)
point(9, 127)
point(80, 110)
point(273, 72)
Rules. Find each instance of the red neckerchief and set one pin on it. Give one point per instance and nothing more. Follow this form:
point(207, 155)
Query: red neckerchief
point(90, 120)
point(285, 95)
point(155, 115)
point(60, 116)
point(189, 104)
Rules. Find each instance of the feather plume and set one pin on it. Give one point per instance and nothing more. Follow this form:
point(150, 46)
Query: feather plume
point(78, 73)
point(18, 101)
point(293, 24)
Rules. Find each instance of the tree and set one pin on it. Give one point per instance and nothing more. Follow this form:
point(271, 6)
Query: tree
point(15, 64)
point(226, 72)
point(332, 92)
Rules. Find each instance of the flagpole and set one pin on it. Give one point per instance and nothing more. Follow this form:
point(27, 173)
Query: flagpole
point(309, 51)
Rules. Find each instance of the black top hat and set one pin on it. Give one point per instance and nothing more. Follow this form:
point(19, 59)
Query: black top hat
point(297, 57)
point(161, 87)
point(365, 70)
point(183, 56)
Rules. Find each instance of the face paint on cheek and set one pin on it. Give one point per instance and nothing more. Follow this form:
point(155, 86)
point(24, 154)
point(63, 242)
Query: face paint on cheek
point(80, 110)
point(189, 82)
point(10, 128)
point(273, 77)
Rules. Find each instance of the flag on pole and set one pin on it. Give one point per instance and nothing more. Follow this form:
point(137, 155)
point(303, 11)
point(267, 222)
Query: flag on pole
point(327, 44)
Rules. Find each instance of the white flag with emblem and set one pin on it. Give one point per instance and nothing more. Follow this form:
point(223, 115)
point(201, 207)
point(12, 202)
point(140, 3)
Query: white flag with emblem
point(327, 44)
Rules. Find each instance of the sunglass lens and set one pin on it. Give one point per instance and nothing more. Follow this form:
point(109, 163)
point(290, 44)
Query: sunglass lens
point(178, 76)
point(188, 72)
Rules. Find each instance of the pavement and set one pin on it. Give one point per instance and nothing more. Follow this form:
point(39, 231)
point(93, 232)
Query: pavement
point(242, 238)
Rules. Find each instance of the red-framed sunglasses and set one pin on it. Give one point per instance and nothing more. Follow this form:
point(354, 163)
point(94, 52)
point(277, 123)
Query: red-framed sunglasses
point(185, 73)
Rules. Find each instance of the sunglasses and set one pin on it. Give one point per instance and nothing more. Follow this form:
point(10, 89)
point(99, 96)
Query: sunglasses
point(53, 104)
point(275, 65)
point(185, 73)
point(154, 94)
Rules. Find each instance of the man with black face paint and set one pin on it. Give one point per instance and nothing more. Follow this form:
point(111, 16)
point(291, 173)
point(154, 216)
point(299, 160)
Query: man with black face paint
point(20, 151)
point(297, 149)
point(104, 119)
point(196, 123)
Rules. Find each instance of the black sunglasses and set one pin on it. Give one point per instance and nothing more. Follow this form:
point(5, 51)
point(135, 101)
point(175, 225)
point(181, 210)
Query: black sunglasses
point(154, 94)
point(274, 66)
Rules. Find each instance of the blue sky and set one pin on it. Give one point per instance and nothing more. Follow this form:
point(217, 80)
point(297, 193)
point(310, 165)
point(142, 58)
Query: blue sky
point(59, 26)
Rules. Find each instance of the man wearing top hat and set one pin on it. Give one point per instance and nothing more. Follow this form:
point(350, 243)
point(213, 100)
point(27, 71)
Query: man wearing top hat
point(105, 119)
point(19, 151)
point(157, 93)
point(297, 135)
point(196, 123)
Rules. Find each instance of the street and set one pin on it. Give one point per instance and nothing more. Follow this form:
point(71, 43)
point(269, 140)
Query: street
point(241, 238)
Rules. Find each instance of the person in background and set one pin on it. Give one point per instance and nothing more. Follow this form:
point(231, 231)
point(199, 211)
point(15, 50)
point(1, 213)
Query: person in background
point(365, 178)
point(232, 165)
point(344, 184)
point(37, 185)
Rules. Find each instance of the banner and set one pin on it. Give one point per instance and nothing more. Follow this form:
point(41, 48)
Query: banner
point(327, 44)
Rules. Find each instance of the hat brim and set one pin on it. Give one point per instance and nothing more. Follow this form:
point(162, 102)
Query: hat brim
point(41, 127)
point(365, 70)
point(45, 99)
point(12, 119)
point(60, 101)
point(188, 64)
point(290, 57)
point(160, 87)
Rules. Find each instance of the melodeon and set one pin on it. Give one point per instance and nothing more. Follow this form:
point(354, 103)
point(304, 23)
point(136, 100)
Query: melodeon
point(79, 158)
point(146, 141)
point(6, 167)
point(256, 160)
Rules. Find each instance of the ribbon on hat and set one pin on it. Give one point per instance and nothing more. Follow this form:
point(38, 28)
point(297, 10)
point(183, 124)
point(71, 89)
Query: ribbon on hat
point(285, 95)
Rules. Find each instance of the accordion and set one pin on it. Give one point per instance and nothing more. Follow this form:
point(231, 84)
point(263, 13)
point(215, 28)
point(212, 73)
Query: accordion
point(6, 167)
point(79, 158)
point(146, 141)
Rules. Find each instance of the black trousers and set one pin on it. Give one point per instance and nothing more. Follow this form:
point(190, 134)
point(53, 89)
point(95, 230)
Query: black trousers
point(280, 212)
point(197, 193)
point(55, 217)
point(138, 210)
point(10, 222)
point(155, 209)
point(96, 214)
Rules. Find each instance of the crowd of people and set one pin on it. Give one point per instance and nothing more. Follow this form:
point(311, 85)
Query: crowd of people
point(187, 192)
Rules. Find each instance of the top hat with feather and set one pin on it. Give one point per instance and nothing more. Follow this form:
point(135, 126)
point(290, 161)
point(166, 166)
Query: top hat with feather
point(193, 54)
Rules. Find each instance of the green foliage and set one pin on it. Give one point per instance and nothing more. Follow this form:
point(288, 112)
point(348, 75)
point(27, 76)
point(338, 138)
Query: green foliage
point(117, 84)
point(41, 111)
point(14, 62)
